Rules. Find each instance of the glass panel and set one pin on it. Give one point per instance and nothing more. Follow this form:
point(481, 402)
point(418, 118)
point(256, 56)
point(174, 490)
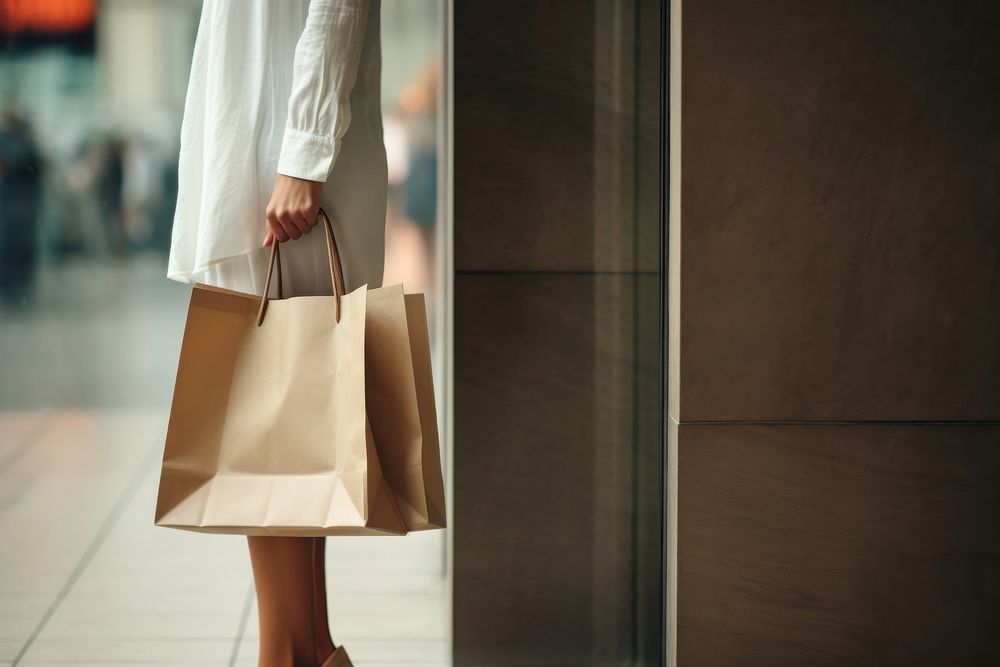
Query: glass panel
point(628, 223)
point(559, 348)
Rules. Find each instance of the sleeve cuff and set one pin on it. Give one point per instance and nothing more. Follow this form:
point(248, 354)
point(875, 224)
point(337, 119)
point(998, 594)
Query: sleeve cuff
point(308, 156)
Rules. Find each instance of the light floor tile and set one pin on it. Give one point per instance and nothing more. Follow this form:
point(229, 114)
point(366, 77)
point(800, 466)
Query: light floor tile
point(16, 426)
point(138, 651)
point(157, 582)
point(151, 595)
point(56, 499)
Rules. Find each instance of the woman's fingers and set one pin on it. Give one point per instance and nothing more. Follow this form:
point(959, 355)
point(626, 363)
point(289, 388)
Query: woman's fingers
point(292, 222)
point(293, 208)
point(285, 224)
point(274, 226)
point(291, 229)
point(288, 226)
point(301, 219)
point(295, 223)
point(311, 215)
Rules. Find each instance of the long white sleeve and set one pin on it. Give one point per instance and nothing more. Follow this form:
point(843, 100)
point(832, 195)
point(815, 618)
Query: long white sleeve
point(324, 71)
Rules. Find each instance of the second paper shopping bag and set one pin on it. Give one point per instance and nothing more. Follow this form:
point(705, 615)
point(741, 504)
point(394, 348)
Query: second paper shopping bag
point(268, 431)
point(400, 395)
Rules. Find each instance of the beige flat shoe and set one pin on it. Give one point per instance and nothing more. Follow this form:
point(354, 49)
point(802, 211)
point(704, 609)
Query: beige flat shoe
point(338, 658)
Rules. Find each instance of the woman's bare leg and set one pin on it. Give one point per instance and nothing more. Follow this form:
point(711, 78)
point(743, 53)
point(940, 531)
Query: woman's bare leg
point(324, 642)
point(284, 577)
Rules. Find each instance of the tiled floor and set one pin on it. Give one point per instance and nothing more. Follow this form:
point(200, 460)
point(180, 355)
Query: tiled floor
point(85, 576)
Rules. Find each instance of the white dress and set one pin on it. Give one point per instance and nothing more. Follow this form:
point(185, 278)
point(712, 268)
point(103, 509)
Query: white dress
point(290, 87)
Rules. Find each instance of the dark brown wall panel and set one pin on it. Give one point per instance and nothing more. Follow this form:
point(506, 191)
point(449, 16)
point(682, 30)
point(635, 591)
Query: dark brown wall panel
point(840, 210)
point(838, 544)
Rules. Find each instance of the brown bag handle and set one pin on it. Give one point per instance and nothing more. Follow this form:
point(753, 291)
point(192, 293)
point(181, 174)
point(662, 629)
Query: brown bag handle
point(336, 269)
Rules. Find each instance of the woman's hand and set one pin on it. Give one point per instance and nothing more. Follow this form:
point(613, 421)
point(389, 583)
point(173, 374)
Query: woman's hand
point(293, 208)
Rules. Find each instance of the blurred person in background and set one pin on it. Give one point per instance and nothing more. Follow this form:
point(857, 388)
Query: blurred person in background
point(140, 191)
point(108, 162)
point(418, 107)
point(413, 180)
point(20, 200)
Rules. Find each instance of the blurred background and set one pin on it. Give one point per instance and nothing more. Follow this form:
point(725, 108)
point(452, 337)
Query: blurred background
point(91, 100)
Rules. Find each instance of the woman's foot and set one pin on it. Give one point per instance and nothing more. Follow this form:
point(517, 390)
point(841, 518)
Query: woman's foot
point(338, 658)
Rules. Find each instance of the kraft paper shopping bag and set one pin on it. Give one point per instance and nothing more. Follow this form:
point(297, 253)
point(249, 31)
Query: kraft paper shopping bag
point(268, 431)
point(400, 395)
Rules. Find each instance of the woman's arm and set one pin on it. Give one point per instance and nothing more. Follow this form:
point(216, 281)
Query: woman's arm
point(319, 112)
